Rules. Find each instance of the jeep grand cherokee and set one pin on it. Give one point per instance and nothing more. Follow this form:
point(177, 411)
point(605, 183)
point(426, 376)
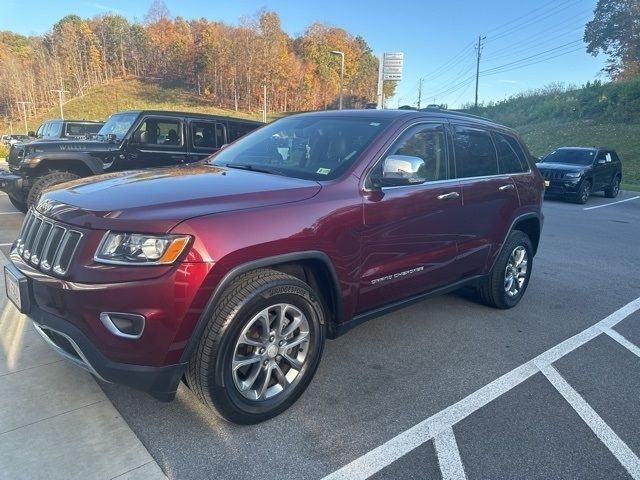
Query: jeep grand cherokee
point(233, 272)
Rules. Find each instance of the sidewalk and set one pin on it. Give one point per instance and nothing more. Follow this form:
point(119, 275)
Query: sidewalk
point(55, 421)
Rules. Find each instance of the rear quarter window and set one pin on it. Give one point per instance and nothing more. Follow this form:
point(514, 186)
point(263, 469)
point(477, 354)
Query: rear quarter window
point(511, 158)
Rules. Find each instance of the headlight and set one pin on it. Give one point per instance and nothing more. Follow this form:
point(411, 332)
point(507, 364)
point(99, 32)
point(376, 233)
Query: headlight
point(573, 175)
point(140, 249)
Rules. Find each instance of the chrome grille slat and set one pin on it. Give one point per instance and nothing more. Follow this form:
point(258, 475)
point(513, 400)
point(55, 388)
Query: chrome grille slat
point(43, 234)
point(47, 244)
point(30, 238)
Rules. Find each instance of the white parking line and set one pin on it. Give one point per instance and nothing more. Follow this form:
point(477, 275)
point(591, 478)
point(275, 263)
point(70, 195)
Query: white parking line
point(613, 203)
point(385, 454)
point(5, 244)
point(10, 213)
point(604, 432)
point(622, 341)
point(449, 456)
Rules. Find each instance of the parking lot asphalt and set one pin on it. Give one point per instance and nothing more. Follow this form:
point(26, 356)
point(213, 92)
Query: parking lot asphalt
point(376, 406)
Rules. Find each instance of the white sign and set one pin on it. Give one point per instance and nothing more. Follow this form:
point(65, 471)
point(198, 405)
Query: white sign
point(392, 64)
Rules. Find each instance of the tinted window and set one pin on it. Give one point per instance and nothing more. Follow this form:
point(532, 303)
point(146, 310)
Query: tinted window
point(240, 129)
point(475, 153)
point(155, 131)
point(508, 158)
point(82, 129)
point(570, 156)
point(428, 143)
point(208, 134)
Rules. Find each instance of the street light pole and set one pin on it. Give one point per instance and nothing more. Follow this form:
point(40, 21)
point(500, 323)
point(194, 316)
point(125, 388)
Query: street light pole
point(60, 97)
point(337, 52)
point(24, 115)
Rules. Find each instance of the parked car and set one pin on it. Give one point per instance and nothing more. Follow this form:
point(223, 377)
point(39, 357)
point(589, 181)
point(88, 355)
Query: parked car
point(576, 172)
point(129, 140)
point(234, 271)
point(67, 129)
point(15, 139)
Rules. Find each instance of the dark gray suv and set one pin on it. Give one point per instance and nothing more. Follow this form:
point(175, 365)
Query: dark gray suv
point(576, 172)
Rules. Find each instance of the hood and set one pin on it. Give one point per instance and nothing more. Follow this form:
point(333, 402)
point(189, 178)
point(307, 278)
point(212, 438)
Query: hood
point(563, 167)
point(157, 200)
point(60, 145)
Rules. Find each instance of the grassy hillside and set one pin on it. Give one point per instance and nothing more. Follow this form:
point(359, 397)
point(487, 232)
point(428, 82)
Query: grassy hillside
point(543, 137)
point(127, 94)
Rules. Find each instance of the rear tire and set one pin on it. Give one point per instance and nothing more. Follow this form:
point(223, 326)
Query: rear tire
point(506, 283)
point(244, 367)
point(46, 181)
point(18, 204)
point(612, 190)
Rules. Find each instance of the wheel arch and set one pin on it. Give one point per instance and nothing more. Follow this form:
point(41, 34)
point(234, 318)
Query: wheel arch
point(80, 165)
point(312, 267)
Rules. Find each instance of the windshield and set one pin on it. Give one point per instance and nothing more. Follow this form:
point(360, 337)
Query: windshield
point(118, 125)
point(572, 157)
point(307, 146)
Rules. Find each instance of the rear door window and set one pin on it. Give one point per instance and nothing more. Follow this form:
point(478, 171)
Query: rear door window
point(475, 153)
point(208, 135)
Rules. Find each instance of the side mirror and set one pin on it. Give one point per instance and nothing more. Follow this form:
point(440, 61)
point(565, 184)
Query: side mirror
point(31, 133)
point(601, 161)
point(540, 158)
point(136, 138)
point(400, 170)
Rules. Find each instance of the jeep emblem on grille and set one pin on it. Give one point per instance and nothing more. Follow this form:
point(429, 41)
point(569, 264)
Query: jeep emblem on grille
point(45, 206)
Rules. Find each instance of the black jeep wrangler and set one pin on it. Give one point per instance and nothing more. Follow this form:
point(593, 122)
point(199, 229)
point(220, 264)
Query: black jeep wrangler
point(127, 141)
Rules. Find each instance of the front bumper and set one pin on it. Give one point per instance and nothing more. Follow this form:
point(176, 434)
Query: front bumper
point(562, 187)
point(70, 342)
point(11, 183)
point(64, 316)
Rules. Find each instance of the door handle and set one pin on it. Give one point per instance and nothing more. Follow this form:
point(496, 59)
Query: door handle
point(504, 188)
point(448, 196)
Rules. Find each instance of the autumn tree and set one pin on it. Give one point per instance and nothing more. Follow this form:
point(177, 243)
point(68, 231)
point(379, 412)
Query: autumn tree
point(615, 31)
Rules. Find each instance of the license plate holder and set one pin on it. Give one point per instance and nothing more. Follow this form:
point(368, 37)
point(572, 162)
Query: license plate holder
point(17, 288)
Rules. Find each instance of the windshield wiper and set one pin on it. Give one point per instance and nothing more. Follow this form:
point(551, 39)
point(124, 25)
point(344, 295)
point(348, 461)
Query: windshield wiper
point(254, 168)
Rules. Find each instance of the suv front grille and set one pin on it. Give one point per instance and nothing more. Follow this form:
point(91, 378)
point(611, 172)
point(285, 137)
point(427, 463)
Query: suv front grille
point(47, 245)
point(552, 174)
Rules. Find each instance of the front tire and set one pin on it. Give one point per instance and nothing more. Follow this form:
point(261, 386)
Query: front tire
point(583, 193)
point(506, 283)
point(261, 347)
point(46, 181)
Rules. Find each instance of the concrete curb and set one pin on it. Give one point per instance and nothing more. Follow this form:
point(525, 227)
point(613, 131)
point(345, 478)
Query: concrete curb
point(55, 421)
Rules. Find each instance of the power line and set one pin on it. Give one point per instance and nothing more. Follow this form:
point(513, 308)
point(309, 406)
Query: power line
point(560, 47)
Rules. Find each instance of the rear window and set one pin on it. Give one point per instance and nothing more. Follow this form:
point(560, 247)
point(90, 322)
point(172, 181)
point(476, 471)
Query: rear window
point(82, 129)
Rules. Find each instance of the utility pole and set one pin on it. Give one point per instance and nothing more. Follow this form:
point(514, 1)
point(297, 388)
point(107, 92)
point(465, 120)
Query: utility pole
point(60, 100)
point(479, 51)
point(419, 93)
point(264, 108)
point(24, 115)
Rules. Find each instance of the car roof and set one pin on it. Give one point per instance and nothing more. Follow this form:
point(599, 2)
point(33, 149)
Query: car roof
point(392, 114)
point(71, 121)
point(189, 114)
point(585, 148)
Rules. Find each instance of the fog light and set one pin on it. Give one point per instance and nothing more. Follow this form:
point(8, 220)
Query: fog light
point(126, 325)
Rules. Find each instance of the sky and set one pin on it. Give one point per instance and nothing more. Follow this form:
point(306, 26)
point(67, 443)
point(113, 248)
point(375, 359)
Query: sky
point(525, 45)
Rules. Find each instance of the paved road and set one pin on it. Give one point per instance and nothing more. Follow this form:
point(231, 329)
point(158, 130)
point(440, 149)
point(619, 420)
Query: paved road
point(448, 387)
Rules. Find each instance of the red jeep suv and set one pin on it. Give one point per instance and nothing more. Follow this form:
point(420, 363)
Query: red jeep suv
point(232, 272)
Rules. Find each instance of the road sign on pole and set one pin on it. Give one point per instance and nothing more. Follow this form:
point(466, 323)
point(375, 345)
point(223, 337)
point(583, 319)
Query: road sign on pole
point(392, 64)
